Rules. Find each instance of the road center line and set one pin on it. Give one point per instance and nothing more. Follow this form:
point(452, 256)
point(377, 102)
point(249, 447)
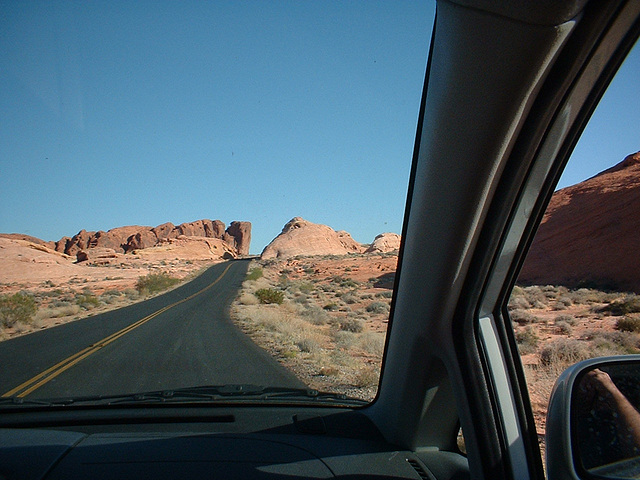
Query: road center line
point(42, 378)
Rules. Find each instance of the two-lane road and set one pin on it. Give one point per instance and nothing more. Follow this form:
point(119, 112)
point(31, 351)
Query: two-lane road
point(182, 338)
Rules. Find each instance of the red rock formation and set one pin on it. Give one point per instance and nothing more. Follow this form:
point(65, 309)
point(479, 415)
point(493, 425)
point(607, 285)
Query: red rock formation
point(300, 237)
point(589, 234)
point(97, 255)
point(80, 241)
point(127, 239)
point(115, 238)
point(385, 242)
point(26, 238)
point(144, 239)
point(164, 231)
point(215, 229)
point(239, 235)
point(191, 229)
point(61, 245)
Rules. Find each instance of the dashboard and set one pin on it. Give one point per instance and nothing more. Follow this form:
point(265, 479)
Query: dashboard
point(206, 442)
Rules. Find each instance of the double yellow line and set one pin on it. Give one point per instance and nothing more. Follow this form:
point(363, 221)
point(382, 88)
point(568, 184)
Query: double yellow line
point(36, 382)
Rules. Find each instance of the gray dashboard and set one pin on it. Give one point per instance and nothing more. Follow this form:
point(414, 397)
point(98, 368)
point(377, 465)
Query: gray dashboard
point(268, 443)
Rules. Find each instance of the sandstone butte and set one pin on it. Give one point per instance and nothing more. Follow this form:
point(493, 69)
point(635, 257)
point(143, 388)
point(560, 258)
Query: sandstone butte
point(385, 242)
point(202, 239)
point(133, 238)
point(589, 233)
point(301, 237)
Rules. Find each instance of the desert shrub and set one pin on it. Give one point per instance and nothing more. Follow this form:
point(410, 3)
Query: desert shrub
point(315, 315)
point(344, 339)
point(19, 307)
point(254, 274)
point(270, 295)
point(629, 323)
point(58, 312)
point(563, 302)
point(87, 301)
point(564, 328)
point(300, 298)
point(522, 317)
point(367, 377)
point(372, 342)
point(248, 299)
point(354, 325)
point(613, 343)
point(343, 282)
point(588, 295)
point(518, 303)
point(387, 294)
point(131, 293)
point(306, 287)
point(527, 340)
point(112, 293)
point(377, 307)
point(624, 306)
point(564, 351)
point(351, 324)
point(350, 299)
point(307, 345)
point(331, 307)
point(536, 296)
point(568, 319)
point(155, 282)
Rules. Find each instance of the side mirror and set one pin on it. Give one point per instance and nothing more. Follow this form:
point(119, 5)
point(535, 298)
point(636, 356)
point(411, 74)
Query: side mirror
point(593, 421)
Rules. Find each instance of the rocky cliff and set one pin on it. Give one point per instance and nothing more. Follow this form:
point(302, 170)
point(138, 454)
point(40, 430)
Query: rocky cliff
point(589, 234)
point(385, 242)
point(124, 240)
point(301, 237)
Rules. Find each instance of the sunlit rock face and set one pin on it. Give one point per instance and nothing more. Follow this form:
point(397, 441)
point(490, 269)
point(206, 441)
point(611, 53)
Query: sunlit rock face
point(301, 237)
point(589, 234)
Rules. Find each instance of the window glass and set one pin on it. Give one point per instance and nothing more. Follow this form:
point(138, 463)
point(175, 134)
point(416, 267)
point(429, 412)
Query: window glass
point(578, 294)
point(143, 143)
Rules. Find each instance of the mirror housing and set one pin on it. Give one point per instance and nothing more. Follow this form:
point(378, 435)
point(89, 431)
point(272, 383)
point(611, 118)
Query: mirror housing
point(593, 423)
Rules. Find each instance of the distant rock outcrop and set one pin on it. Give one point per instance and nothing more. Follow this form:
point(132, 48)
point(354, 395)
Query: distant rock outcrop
point(300, 237)
point(26, 238)
point(239, 235)
point(122, 240)
point(589, 234)
point(385, 242)
point(97, 255)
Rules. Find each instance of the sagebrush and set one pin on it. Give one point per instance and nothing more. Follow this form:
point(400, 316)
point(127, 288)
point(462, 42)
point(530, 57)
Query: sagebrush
point(17, 308)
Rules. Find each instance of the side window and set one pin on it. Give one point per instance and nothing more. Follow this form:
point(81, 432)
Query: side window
point(578, 294)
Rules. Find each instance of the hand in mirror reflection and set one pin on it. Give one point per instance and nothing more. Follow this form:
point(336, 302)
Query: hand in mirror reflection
point(608, 425)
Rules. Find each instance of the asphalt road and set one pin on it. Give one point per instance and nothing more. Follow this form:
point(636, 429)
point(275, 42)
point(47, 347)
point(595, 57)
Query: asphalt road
point(180, 339)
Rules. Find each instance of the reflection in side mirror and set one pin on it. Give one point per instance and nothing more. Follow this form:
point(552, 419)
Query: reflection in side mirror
point(606, 421)
point(593, 421)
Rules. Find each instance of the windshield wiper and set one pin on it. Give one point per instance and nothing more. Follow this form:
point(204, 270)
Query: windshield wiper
point(19, 401)
point(236, 393)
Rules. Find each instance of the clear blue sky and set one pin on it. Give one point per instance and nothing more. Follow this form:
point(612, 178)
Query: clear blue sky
point(123, 113)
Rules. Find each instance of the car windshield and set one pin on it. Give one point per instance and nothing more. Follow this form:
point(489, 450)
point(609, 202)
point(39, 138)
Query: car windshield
point(202, 201)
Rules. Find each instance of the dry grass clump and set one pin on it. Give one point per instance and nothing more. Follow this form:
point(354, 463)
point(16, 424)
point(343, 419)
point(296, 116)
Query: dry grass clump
point(354, 325)
point(564, 351)
point(523, 317)
point(629, 323)
point(624, 306)
point(527, 340)
point(372, 342)
point(323, 328)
